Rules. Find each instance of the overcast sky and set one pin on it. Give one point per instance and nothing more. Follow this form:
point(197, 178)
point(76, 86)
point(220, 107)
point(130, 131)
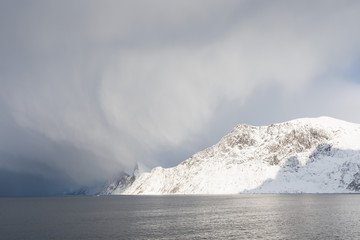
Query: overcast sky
point(88, 88)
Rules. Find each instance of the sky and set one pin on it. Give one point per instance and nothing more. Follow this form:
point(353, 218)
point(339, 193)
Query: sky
point(90, 88)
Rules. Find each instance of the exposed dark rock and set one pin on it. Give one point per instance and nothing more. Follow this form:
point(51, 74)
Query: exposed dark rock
point(355, 184)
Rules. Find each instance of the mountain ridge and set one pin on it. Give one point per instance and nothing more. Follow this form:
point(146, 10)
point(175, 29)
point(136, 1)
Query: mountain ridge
point(315, 155)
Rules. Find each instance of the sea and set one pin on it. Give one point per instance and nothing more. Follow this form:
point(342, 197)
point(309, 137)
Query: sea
point(254, 216)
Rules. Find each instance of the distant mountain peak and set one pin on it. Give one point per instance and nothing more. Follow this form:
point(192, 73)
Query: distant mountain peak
point(120, 182)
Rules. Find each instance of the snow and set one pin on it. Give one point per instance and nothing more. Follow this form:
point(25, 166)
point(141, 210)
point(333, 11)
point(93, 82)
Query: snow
point(309, 155)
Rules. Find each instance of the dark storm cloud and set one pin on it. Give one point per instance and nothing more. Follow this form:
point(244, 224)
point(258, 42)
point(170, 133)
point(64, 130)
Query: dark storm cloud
point(90, 87)
point(33, 164)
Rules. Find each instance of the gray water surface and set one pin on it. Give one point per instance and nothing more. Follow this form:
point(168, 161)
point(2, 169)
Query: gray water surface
point(326, 216)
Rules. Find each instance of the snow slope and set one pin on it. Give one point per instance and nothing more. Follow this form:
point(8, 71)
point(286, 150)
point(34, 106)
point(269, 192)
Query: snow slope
point(310, 155)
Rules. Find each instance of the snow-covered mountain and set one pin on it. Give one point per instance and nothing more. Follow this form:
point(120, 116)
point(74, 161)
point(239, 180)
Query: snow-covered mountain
point(120, 183)
point(116, 185)
point(318, 155)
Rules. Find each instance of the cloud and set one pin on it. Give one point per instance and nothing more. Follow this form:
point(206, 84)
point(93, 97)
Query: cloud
point(113, 82)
